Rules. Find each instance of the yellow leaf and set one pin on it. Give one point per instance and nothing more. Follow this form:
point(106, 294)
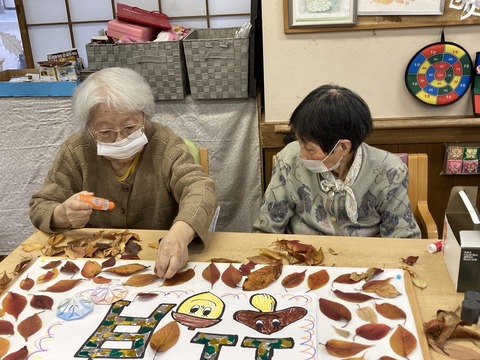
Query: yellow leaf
point(418, 282)
point(166, 337)
point(31, 247)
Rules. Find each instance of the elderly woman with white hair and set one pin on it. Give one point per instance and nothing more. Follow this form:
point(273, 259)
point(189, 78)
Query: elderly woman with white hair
point(141, 165)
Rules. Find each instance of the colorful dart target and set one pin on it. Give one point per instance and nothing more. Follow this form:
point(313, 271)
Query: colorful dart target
point(439, 74)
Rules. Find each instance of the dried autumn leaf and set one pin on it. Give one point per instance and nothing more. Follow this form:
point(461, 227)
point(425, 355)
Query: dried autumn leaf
point(31, 247)
point(318, 279)
point(293, 280)
point(21, 354)
point(211, 273)
point(341, 332)
point(4, 346)
point(346, 279)
point(314, 257)
point(5, 280)
point(367, 314)
point(179, 278)
point(231, 276)
point(27, 283)
point(69, 268)
point(334, 310)
point(370, 286)
point(49, 275)
point(372, 272)
point(63, 285)
point(125, 270)
point(56, 239)
point(390, 311)
point(14, 304)
point(355, 297)
point(41, 302)
point(261, 259)
point(410, 260)
point(101, 280)
point(419, 282)
point(332, 252)
point(270, 253)
point(457, 351)
point(109, 263)
point(29, 326)
point(386, 358)
point(342, 348)
point(402, 341)
point(52, 264)
point(247, 268)
point(372, 331)
point(223, 260)
point(91, 269)
point(261, 278)
point(164, 338)
point(387, 291)
point(22, 265)
point(6, 327)
point(139, 280)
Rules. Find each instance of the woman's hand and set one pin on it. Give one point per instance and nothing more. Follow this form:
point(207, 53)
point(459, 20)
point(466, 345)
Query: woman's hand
point(72, 213)
point(172, 253)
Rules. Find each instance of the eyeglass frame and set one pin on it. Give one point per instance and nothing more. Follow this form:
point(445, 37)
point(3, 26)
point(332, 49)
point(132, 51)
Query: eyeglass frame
point(122, 132)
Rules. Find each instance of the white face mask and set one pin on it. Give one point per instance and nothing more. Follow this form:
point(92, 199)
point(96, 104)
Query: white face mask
point(124, 148)
point(318, 166)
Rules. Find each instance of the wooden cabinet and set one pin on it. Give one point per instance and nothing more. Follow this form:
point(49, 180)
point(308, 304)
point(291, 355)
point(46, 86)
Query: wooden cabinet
point(416, 135)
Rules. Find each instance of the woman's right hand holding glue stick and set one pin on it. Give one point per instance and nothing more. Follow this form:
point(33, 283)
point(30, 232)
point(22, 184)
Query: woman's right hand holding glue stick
point(76, 210)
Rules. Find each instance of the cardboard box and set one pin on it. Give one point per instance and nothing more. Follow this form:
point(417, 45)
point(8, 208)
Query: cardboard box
point(37, 88)
point(461, 239)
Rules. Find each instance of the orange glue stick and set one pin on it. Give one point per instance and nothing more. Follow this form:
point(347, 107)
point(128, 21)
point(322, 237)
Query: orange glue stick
point(97, 203)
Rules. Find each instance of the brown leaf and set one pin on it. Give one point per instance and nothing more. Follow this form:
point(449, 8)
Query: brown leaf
point(6, 327)
point(334, 310)
point(211, 273)
point(342, 348)
point(387, 291)
point(372, 272)
point(370, 286)
point(318, 279)
point(69, 268)
point(49, 275)
point(52, 264)
point(270, 253)
point(5, 280)
point(125, 270)
point(139, 280)
point(261, 259)
point(179, 278)
point(346, 279)
point(63, 285)
point(386, 358)
point(293, 280)
point(21, 354)
point(22, 265)
point(367, 314)
point(372, 331)
point(356, 297)
point(261, 278)
point(166, 337)
point(27, 283)
point(247, 268)
point(14, 304)
point(341, 332)
point(458, 351)
point(410, 260)
point(314, 257)
point(419, 282)
point(91, 269)
point(223, 260)
point(4, 346)
point(101, 280)
point(231, 276)
point(109, 263)
point(402, 341)
point(29, 326)
point(390, 311)
point(41, 302)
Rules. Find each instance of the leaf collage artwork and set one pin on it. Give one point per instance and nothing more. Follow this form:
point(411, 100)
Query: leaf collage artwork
point(109, 308)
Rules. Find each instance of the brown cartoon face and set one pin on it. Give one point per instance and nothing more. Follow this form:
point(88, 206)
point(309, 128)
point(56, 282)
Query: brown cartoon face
point(269, 322)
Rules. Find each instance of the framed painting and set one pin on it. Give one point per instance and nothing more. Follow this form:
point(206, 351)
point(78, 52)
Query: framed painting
point(318, 13)
point(400, 7)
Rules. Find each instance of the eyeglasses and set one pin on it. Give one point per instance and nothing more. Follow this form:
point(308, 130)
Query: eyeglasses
point(109, 135)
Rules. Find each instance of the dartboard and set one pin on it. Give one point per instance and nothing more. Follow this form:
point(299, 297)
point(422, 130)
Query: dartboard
point(439, 74)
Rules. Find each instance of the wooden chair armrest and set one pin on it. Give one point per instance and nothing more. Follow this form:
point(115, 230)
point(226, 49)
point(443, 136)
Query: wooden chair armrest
point(426, 222)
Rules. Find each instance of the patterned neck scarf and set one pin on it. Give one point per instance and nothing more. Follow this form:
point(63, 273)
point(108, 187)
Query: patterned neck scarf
point(332, 185)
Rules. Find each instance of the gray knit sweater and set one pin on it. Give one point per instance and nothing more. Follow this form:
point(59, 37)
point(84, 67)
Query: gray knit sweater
point(165, 187)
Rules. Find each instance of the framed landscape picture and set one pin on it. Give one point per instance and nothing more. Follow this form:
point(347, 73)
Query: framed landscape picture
point(312, 13)
point(400, 7)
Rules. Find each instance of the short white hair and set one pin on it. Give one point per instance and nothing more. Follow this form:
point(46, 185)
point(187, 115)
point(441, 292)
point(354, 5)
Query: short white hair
point(121, 89)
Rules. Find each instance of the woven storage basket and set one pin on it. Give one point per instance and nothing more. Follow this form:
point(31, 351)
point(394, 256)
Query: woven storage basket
point(162, 64)
point(217, 64)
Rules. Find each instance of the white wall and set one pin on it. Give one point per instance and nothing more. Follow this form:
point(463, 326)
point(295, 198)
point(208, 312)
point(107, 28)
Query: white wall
point(372, 63)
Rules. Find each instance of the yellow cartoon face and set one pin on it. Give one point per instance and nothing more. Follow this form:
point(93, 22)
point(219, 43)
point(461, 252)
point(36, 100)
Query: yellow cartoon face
point(201, 310)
